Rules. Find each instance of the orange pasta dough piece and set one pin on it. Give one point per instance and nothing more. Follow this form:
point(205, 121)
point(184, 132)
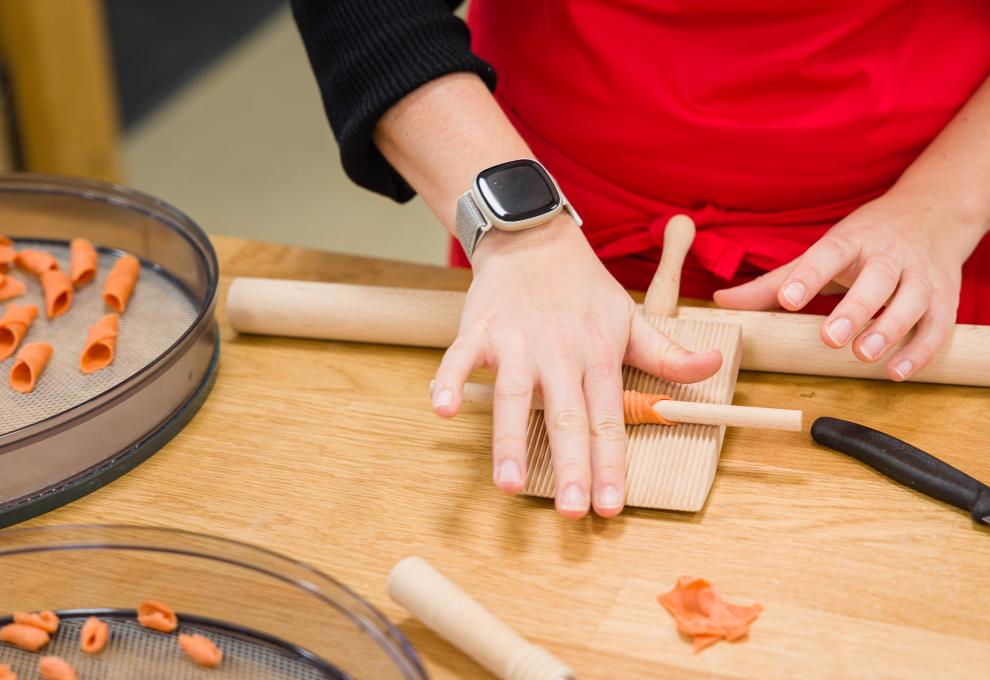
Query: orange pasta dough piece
point(36, 261)
point(101, 342)
point(83, 261)
point(58, 292)
point(157, 616)
point(7, 257)
point(26, 637)
point(28, 365)
point(120, 282)
point(11, 287)
point(14, 325)
point(700, 612)
point(56, 668)
point(201, 650)
point(93, 636)
point(6, 673)
point(46, 620)
point(637, 408)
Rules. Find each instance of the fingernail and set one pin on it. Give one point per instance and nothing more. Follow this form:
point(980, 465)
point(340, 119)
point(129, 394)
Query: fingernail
point(838, 330)
point(508, 472)
point(903, 368)
point(873, 345)
point(609, 497)
point(573, 498)
point(794, 292)
point(443, 398)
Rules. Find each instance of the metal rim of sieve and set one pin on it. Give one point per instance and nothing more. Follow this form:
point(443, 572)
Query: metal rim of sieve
point(195, 352)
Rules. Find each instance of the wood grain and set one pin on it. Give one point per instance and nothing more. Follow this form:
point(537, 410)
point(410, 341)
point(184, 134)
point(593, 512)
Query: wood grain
point(860, 577)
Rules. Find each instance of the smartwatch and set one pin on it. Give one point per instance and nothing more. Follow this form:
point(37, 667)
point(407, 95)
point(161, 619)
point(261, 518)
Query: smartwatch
point(510, 196)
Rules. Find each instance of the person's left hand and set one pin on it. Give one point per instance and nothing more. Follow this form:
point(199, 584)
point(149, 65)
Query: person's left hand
point(903, 250)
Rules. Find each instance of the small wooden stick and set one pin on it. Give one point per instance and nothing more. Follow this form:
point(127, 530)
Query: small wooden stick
point(684, 411)
point(446, 609)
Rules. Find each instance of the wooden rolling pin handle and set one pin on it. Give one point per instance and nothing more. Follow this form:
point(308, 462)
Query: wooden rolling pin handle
point(661, 297)
point(446, 609)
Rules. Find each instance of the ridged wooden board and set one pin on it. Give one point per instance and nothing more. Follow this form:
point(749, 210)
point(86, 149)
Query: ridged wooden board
point(667, 468)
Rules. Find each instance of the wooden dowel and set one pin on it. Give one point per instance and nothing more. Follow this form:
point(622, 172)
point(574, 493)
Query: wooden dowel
point(684, 411)
point(453, 614)
point(780, 342)
point(661, 296)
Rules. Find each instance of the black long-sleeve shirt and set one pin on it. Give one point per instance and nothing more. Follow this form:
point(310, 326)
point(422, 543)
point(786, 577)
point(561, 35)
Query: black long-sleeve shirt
point(368, 54)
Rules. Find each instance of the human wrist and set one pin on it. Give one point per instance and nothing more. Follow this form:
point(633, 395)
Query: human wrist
point(543, 240)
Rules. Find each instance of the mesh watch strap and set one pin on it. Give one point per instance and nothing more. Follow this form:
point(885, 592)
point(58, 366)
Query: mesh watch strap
point(470, 223)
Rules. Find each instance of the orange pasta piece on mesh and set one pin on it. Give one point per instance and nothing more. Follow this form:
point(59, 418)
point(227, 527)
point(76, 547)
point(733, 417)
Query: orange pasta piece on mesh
point(93, 636)
point(11, 287)
point(56, 668)
point(26, 637)
point(58, 292)
point(6, 673)
point(101, 343)
point(157, 616)
point(637, 408)
point(700, 612)
point(46, 620)
point(201, 649)
point(14, 325)
point(83, 261)
point(7, 257)
point(120, 282)
point(36, 261)
point(28, 365)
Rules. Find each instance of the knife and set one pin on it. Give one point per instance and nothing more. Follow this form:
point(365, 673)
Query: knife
point(906, 464)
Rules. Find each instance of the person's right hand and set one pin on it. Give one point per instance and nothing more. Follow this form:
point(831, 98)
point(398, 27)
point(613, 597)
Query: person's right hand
point(543, 312)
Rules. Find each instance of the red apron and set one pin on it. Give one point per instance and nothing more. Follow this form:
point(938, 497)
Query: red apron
point(766, 121)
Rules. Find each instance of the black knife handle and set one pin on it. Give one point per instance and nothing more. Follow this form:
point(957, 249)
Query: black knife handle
point(906, 464)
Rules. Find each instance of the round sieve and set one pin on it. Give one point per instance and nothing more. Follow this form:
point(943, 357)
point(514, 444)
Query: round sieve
point(76, 432)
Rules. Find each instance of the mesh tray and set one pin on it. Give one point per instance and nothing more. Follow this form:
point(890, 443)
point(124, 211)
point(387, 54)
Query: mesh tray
point(136, 652)
point(75, 433)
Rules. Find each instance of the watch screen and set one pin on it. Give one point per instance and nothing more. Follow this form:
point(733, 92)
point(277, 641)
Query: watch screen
point(518, 190)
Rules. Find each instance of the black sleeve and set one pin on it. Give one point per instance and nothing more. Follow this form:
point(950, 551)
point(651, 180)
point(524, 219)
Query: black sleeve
point(368, 54)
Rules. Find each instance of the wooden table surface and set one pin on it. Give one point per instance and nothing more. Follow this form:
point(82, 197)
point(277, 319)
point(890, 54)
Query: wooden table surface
point(329, 453)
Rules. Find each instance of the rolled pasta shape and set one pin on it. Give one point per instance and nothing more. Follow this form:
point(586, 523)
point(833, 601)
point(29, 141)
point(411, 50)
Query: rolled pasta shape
point(36, 262)
point(11, 287)
point(101, 344)
point(157, 616)
point(14, 325)
point(28, 638)
point(201, 649)
point(47, 620)
point(83, 261)
point(29, 365)
point(637, 408)
point(56, 668)
point(120, 283)
point(93, 636)
point(58, 292)
point(6, 673)
point(7, 257)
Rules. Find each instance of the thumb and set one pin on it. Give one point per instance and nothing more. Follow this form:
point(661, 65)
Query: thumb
point(652, 351)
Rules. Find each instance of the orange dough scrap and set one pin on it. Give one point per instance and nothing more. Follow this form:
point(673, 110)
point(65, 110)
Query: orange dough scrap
point(7, 256)
point(157, 616)
point(120, 283)
point(14, 325)
point(26, 637)
point(46, 620)
point(101, 343)
point(56, 668)
point(6, 673)
point(201, 650)
point(11, 287)
point(58, 292)
point(28, 365)
point(700, 612)
point(637, 408)
point(93, 636)
point(83, 261)
point(36, 261)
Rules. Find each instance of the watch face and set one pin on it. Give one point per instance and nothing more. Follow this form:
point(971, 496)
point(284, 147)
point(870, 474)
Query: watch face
point(518, 190)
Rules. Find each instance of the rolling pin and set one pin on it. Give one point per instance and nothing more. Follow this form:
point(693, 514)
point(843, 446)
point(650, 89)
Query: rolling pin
point(684, 411)
point(453, 614)
point(776, 342)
